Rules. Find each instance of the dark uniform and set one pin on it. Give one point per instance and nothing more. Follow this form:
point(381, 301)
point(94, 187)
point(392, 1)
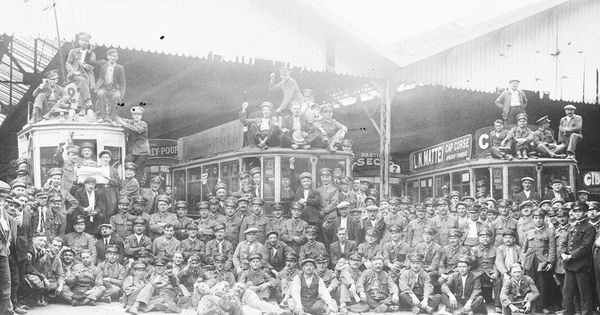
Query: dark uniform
point(134, 244)
point(484, 259)
point(259, 222)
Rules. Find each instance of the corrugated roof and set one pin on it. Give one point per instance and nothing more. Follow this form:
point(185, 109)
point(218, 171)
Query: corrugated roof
point(24, 60)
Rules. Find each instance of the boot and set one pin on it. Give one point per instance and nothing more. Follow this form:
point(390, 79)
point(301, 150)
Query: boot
point(36, 116)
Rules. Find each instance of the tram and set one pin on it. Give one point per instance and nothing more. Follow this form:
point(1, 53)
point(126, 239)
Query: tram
point(205, 164)
point(465, 165)
point(38, 143)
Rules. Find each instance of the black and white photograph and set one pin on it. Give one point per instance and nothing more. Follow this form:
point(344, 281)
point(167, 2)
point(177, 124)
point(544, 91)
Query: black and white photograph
point(300, 157)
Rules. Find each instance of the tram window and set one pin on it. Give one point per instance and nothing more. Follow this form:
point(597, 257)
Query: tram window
point(442, 185)
point(412, 189)
point(514, 178)
point(482, 182)
point(248, 164)
point(337, 166)
point(179, 186)
point(90, 155)
point(116, 159)
point(461, 183)
point(194, 188)
point(47, 161)
point(229, 175)
point(550, 173)
point(268, 183)
point(497, 183)
point(290, 181)
point(426, 185)
point(212, 179)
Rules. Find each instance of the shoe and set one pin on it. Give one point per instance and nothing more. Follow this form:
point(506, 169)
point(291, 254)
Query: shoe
point(105, 299)
point(25, 307)
point(416, 310)
point(546, 311)
point(42, 302)
point(295, 146)
point(91, 303)
point(161, 307)
point(19, 310)
point(76, 303)
point(497, 310)
point(429, 309)
point(519, 156)
point(509, 157)
point(306, 147)
point(380, 309)
point(132, 310)
point(525, 156)
point(560, 156)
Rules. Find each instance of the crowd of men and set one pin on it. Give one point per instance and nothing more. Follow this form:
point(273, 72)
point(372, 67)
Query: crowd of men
point(342, 250)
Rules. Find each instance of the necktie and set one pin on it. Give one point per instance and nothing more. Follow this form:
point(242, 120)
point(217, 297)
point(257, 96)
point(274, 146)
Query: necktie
point(41, 219)
point(220, 248)
point(106, 242)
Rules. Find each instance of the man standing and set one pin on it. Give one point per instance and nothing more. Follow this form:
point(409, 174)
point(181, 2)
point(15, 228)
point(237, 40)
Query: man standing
point(246, 248)
point(329, 196)
point(8, 237)
point(256, 220)
point(512, 102)
point(91, 202)
point(130, 187)
point(138, 147)
point(527, 193)
point(503, 222)
point(151, 193)
point(80, 240)
point(111, 86)
point(569, 131)
point(136, 242)
point(577, 257)
point(167, 244)
point(442, 222)
point(161, 218)
point(294, 229)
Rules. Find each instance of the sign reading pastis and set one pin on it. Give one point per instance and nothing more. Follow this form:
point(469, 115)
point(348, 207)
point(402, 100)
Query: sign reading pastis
point(453, 151)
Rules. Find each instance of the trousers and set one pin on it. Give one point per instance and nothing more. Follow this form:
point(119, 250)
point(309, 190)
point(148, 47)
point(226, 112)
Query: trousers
point(108, 96)
point(6, 305)
point(578, 283)
point(477, 306)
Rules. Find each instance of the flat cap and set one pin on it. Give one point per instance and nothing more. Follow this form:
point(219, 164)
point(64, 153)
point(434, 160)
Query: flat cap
point(325, 171)
point(570, 106)
point(258, 201)
point(163, 198)
point(372, 208)
point(291, 257)
point(343, 204)
point(130, 166)
point(308, 260)
point(255, 170)
point(272, 232)
point(218, 227)
point(485, 231)
point(455, 193)
point(181, 204)
point(277, 206)
point(522, 116)
point(296, 205)
point(527, 178)
point(55, 171)
point(90, 180)
point(465, 198)
point(255, 256)
point(455, 233)
point(415, 257)
point(251, 230)
point(138, 221)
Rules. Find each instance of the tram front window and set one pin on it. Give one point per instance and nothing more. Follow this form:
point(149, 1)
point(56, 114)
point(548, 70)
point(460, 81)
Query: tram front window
point(482, 182)
point(461, 182)
point(442, 185)
point(426, 188)
point(550, 173)
point(194, 189)
point(412, 189)
point(337, 166)
point(47, 161)
point(229, 174)
point(290, 179)
point(497, 183)
point(179, 186)
point(515, 174)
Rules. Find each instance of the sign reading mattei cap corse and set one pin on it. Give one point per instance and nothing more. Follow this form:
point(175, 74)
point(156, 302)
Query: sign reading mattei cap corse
point(453, 151)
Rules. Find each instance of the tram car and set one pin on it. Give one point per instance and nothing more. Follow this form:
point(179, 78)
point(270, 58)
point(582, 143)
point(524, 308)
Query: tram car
point(39, 143)
point(218, 155)
point(465, 165)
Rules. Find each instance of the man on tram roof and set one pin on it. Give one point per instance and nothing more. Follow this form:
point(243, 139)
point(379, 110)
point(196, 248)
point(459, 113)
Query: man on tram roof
point(46, 96)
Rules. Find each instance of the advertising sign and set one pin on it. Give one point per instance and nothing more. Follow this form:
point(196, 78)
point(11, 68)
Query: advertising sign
point(227, 137)
point(163, 150)
point(453, 151)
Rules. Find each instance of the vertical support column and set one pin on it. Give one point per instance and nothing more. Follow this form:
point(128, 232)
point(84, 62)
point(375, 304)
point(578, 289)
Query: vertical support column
point(384, 140)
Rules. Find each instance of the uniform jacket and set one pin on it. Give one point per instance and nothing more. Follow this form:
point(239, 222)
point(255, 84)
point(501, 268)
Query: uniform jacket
point(330, 278)
point(472, 288)
point(81, 241)
point(132, 247)
point(161, 247)
point(243, 252)
point(393, 252)
point(501, 225)
point(539, 247)
point(503, 102)
point(520, 133)
point(512, 289)
point(232, 229)
point(560, 235)
point(443, 225)
point(291, 229)
point(122, 225)
point(432, 256)
point(415, 229)
point(350, 197)
point(366, 224)
point(130, 187)
point(565, 128)
point(543, 137)
point(137, 136)
point(408, 279)
point(579, 244)
point(259, 222)
point(450, 257)
point(116, 272)
point(329, 201)
point(335, 251)
point(312, 208)
point(155, 218)
point(311, 250)
point(275, 224)
point(211, 250)
point(150, 195)
point(376, 285)
point(484, 260)
point(118, 79)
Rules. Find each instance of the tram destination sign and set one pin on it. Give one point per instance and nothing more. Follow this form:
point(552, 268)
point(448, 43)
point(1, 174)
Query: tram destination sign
point(449, 152)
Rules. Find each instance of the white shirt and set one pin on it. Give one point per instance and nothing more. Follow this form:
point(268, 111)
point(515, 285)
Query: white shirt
point(139, 237)
point(296, 123)
point(108, 78)
point(344, 222)
point(306, 193)
point(527, 193)
point(91, 198)
point(264, 124)
point(342, 246)
point(463, 279)
point(514, 98)
point(472, 229)
point(82, 57)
